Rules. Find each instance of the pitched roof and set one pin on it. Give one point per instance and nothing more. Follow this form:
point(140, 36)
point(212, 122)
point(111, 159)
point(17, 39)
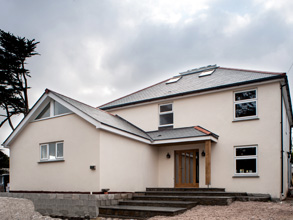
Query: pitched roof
point(192, 82)
point(178, 133)
point(104, 117)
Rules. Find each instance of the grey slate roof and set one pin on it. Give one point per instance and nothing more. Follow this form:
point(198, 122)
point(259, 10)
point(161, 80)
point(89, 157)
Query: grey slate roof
point(191, 83)
point(178, 133)
point(104, 117)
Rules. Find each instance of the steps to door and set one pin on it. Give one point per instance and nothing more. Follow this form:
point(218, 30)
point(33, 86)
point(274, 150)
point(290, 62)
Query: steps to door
point(173, 201)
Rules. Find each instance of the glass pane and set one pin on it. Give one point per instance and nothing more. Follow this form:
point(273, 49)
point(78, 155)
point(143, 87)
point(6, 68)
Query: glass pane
point(60, 150)
point(197, 167)
point(187, 168)
point(245, 109)
point(44, 154)
point(52, 151)
point(60, 109)
point(245, 151)
point(246, 166)
point(166, 108)
point(166, 119)
point(191, 168)
point(177, 168)
point(45, 113)
point(182, 168)
point(245, 95)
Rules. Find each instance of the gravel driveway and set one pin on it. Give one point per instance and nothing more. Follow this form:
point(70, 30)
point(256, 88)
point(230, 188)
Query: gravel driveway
point(23, 209)
point(238, 211)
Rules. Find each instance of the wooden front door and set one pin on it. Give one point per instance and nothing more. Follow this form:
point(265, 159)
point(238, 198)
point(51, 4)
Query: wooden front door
point(186, 168)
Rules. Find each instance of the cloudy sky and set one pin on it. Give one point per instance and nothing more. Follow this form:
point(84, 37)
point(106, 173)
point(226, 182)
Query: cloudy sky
point(98, 50)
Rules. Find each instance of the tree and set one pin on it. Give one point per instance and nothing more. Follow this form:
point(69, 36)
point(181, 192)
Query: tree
point(4, 162)
point(14, 52)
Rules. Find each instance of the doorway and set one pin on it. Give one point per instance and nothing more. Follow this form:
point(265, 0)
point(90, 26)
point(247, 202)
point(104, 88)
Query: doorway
point(187, 168)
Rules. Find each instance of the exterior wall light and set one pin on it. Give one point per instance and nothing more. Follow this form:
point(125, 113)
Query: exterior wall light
point(92, 167)
point(203, 153)
point(168, 156)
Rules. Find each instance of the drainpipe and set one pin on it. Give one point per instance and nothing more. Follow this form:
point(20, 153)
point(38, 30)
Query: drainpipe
point(282, 145)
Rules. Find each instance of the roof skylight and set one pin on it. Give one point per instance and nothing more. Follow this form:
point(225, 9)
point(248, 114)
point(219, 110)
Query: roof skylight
point(206, 73)
point(174, 79)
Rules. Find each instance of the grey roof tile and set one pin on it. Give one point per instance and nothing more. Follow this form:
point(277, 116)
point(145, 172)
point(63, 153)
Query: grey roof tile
point(175, 133)
point(191, 82)
point(104, 117)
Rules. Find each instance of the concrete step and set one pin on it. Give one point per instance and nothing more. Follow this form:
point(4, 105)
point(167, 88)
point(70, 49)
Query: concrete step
point(183, 189)
point(254, 198)
point(138, 211)
point(193, 193)
point(159, 203)
point(201, 200)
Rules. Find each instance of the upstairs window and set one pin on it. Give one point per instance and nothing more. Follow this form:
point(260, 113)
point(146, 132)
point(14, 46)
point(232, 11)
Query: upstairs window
point(246, 160)
point(245, 104)
point(51, 151)
point(166, 115)
point(52, 109)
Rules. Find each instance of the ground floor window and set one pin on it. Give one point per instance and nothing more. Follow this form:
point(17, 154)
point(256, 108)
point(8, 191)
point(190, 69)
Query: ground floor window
point(245, 160)
point(52, 151)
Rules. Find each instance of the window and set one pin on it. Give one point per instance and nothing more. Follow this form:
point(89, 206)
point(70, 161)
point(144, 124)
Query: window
point(52, 151)
point(53, 108)
point(245, 160)
point(245, 104)
point(166, 115)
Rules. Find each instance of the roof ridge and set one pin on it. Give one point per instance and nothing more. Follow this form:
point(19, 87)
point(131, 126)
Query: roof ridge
point(134, 126)
point(134, 92)
point(201, 129)
point(257, 71)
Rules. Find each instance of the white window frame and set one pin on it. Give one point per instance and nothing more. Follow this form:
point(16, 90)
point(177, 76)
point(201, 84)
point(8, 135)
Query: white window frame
point(52, 111)
point(235, 102)
point(47, 146)
point(165, 113)
point(246, 157)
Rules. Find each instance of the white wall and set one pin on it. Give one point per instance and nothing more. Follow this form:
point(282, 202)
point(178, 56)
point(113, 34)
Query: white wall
point(214, 112)
point(81, 149)
point(126, 164)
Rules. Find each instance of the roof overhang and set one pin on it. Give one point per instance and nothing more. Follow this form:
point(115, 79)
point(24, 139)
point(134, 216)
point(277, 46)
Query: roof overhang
point(185, 140)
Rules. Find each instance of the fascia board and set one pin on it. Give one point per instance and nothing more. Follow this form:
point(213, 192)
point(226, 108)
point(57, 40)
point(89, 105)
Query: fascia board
point(80, 113)
point(25, 120)
point(181, 140)
point(124, 134)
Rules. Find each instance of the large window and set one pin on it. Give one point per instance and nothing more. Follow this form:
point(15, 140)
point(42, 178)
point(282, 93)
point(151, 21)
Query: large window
point(52, 151)
point(245, 160)
point(166, 115)
point(52, 109)
point(245, 104)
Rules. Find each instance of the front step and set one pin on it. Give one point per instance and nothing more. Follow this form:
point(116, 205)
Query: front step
point(138, 211)
point(184, 189)
point(159, 203)
point(192, 193)
point(201, 200)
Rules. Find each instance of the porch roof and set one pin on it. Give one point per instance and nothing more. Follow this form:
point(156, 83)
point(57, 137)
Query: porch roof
point(186, 134)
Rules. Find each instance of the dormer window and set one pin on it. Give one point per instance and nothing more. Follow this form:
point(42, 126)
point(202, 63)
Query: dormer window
point(52, 109)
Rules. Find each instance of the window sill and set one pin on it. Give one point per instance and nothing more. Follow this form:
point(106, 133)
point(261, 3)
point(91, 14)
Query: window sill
point(246, 176)
point(51, 161)
point(245, 119)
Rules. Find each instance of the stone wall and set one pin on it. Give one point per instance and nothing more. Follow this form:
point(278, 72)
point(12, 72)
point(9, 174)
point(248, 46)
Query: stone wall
point(70, 205)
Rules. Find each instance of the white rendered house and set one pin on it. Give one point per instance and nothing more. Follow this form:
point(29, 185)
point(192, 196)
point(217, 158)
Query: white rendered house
point(206, 127)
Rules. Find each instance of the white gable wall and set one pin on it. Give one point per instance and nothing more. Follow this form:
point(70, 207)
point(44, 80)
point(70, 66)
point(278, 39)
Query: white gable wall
point(81, 149)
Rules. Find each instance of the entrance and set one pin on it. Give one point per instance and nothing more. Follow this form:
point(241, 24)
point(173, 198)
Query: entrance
point(186, 168)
